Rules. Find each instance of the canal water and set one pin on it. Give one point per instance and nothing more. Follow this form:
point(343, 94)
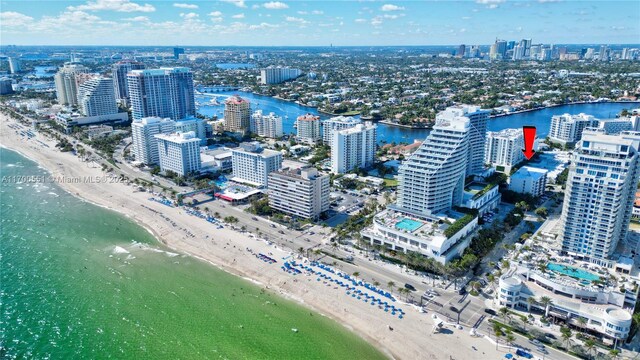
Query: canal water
point(289, 111)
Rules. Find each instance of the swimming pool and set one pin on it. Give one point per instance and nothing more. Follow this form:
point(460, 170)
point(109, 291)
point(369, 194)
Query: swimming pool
point(573, 272)
point(409, 225)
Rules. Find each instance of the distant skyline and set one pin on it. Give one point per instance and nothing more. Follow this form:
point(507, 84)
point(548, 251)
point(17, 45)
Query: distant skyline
point(316, 23)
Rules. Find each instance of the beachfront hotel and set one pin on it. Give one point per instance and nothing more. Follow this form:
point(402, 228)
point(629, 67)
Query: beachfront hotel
point(503, 149)
point(96, 97)
point(66, 83)
point(353, 148)
point(303, 192)
point(143, 132)
point(567, 129)
point(165, 92)
point(237, 117)
point(119, 73)
point(529, 180)
point(589, 300)
point(179, 152)
point(308, 129)
point(430, 183)
point(598, 203)
point(336, 124)
point(432, 179)
point(269, 126)
point(252, 164)
point(477, 133)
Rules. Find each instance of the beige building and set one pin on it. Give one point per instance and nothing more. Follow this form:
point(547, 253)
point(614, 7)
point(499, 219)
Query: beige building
point(237, 117)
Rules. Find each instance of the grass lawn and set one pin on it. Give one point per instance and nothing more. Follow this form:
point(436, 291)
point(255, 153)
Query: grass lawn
point(390, 182)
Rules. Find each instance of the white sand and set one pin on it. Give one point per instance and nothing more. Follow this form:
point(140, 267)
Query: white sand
point(225, 248)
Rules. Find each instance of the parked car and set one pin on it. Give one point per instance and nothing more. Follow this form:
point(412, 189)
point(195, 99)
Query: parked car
point(462, 291)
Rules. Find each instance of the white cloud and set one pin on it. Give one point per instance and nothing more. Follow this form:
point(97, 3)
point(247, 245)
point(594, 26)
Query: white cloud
point(391, 7)
point(185, 6)
point(317, 12)
point(189, 16)
point(137, 19)
point(275, 5)
point(302, 12)
point(392, 17)
point(238, 3)
point(12, 18)
point(296, 20)
point(215, 14)
point(262, 26)
point(376, 21)
point(217, 19)
point(360, 20)
point(238, 16)
point(466, 17)
point(113, 5)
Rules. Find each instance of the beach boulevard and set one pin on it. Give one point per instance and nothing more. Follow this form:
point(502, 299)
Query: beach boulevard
point(408, 338)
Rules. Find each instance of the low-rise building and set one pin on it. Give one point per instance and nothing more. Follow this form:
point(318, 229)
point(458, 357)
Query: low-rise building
point(179, 152)
point(577, 297)
point(301, 192)
point(404, 231)
point(71, 120)
point(481, 197)
point(529, 180)
point(252, 164)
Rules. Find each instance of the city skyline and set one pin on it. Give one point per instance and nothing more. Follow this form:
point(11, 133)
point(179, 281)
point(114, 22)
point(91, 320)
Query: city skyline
point(294, 23)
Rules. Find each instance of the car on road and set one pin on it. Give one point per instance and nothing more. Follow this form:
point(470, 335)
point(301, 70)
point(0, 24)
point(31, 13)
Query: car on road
point(410, 287)
point(491, 312)
point(254, 218)
point(273, 225)
point(535, 342)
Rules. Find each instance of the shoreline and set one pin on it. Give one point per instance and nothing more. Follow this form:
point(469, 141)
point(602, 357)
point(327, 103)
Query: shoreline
point(411, 337)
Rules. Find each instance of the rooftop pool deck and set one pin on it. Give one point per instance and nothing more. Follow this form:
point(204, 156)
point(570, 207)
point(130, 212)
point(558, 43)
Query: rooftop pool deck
point(409, 224)
point(573, 272)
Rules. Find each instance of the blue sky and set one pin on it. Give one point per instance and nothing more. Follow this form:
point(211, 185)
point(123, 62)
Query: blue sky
point(276, 23)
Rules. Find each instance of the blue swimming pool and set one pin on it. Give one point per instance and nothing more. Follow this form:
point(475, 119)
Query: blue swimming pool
point(409, 225)
point(573, 272)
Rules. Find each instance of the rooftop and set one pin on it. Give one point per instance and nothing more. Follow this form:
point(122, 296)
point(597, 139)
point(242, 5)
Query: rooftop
point(236, 99)
point(529, 172)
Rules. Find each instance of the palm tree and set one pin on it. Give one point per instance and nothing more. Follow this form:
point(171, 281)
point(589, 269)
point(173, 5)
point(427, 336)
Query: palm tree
point(301, 251)
point(582, 321)
point(376, 283)
point(546, 301)
point(614, 354)
point(566, 336)
point(391, 285)
point(510, 339)
point(498, 334)
point(589, 345)
point(356, 274)
point(504, 312)
point(530, 301)
point(404, 291)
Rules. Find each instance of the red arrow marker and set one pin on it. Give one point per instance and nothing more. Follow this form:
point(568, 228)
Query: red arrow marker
point(529, 133)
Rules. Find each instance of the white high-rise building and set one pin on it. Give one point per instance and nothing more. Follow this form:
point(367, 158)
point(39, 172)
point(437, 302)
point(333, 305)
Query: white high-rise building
point(432, 179)
point(14, 65)
point(503, 149)
point(143, 131)
point(308, 128)
point(300, 192)
point(67, 84)
point(336, 124)
point(568, 128)
point(252, 164)
point(119, 73)
point(164, 92)
point(197, 125)
point(601, 186)
point(353, 148)
point(237, 114)
point(96, 97)
point(477, 132)
point(179, 152)
point(269, 126)
point(278, 75)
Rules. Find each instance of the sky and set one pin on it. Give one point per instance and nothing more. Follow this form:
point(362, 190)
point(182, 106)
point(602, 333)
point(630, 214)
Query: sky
point(316, 23)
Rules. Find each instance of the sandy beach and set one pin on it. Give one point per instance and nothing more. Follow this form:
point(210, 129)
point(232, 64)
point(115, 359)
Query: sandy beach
point(411, 337)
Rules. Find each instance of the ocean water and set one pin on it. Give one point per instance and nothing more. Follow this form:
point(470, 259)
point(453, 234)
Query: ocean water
point(81, 282)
